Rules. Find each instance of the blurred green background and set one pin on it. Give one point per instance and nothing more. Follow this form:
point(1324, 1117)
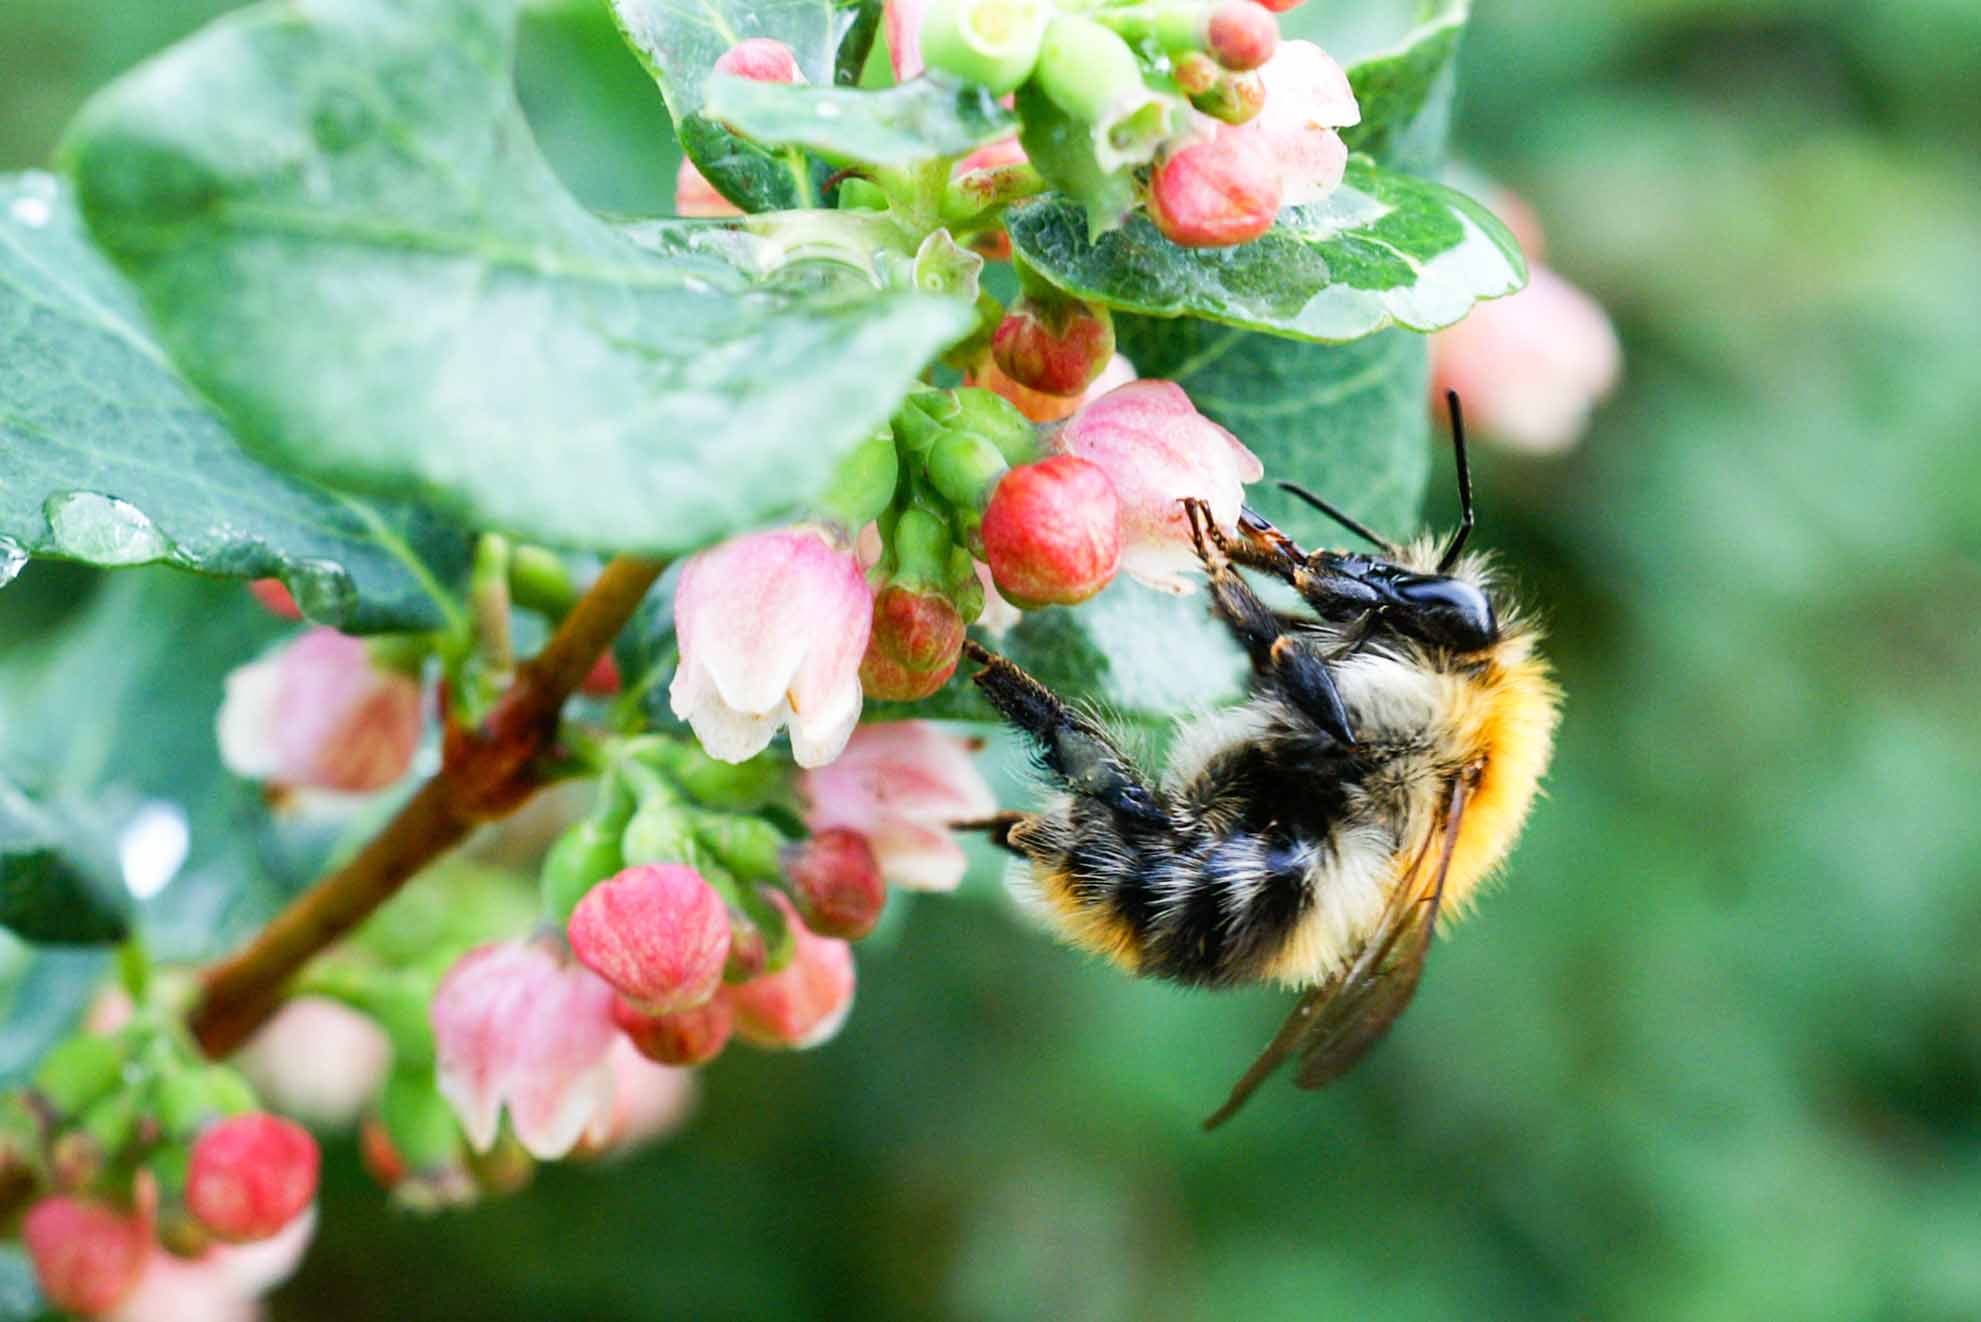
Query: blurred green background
point(1713, 1051)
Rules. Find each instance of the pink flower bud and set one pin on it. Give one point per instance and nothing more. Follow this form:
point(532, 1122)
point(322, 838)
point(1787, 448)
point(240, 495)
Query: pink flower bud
point(658, 933)
point(516, 1026)
point(686, 1037)
point(1241, 35)
point(899, 784)
point(649, 1102)
point(904, 37)
point(317, 1060)
point(1530, 367)
point(319, 714)
point(1005, 151)
point(761, 60)
point(803, 1004)
point(772, 627)
point(86, 1254)
point(1056, 350)
point(276, 598)
point(1156, 449)
point(251, 1175)
point(696, 198)
point(1279, 6)
point(836, 883)
point(916, 641)
point(1050, 408)
point(1052, 532)
point(602, 681)
point(1215, 192)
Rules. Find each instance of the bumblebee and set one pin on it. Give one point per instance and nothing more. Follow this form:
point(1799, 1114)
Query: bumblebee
point(1380, 769)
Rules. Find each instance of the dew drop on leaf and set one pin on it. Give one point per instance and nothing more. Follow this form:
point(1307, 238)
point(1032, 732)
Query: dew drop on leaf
point(152, 848)
point(323, 591)
point(103, 530)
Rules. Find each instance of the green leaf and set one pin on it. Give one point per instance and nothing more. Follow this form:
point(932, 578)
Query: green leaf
point(114, 710)
point(1350, 422)
point(111, 460)
point(1403, 86)
point(918, 120)
point(1383, 249)
point(58, 884)
point(348, 241)
point(1063, 150)
point(680, 41)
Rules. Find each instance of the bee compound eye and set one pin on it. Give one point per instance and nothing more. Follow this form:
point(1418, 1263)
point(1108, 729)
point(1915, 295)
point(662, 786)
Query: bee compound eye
point(1451, 610)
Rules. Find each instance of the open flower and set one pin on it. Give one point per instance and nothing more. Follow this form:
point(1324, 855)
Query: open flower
point(319, 714)
point(805, 1002)
point(649, 1102)
point(772, 627)
point(1307, 100)
point(516, 1026)
point(1157, 449)
point(222, 1284)
point(899, 784)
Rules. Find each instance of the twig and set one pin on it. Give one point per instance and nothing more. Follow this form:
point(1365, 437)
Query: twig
point(484, 774)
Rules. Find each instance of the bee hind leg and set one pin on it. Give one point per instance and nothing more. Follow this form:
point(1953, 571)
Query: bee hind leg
point(1279, 659)
point(1069, 743)
point(998, 827)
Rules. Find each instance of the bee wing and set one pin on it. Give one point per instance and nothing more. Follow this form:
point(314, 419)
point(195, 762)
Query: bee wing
point(1333, 1025)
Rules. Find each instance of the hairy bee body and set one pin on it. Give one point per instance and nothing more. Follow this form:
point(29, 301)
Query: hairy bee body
point(1281, 845)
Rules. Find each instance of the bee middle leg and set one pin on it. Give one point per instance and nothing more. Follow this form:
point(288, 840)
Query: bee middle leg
point(1278, 658)
point(1071, 745)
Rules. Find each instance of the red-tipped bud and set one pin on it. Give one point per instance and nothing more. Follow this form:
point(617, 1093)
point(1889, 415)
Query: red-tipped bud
point(1278, 6)
point(273, 595)
point(916, 640)
point(686, 1037)
point(761, 60)
point(87, 1255)
point(1216, 193)
point(836, 883)
point(658, 933)
point(602, 681)
point(1195, 72)
point(1241, 35)
point(380, 1158)
point(803, 1004)
point(1052, 534)
point(695, 197)
point(251, 1175)
point(1056, 350)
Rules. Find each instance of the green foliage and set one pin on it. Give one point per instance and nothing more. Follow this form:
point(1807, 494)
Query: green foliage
point(1063, 150)
point(1403, 90)
point(56, 883)
point(1383, 249)
point(914, 121)
point(113, 461)
point(525, 368)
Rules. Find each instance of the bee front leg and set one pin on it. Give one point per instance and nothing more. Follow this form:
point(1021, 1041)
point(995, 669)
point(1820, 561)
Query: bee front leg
point(1071, 745)
point(1278, 658)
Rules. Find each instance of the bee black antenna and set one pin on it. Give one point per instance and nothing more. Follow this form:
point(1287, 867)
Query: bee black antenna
point(1465, 519)
point(1353, 525)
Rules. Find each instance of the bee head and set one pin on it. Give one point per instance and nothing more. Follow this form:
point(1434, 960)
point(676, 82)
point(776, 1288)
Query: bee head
point(1441, 610)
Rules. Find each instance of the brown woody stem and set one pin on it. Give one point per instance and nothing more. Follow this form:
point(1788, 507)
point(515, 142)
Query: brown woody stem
point(485, 774)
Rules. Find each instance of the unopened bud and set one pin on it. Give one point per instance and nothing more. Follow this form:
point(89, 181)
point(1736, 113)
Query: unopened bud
point(1235, 98)
point(1056, 348)
point(1216, 193)
point(658, 934)
point(836, 883)
point(1241, 35)
point(661, 831)
point(1089, 72)
point(916, 641)
point(275, 597)
point(251, 1175)
point(686, 1037)
point(992, 42)
point(804, 1004)
point(79, 1071)
point(761, 60)
point(1278, 6)
point(696, 198)
point(87, 1254)
point(190, 1099)
point(1195, 72)
point(1052, 533)
point(586, 854)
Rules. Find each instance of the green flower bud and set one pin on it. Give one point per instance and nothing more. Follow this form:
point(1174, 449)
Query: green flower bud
point(747, 847)
point(1091, 74)
point(418, 1121)
point(861, 195)
point(80, 1071)
point(965, 468)
point(998, 421)
point(734, 786)
point(992, 42)
point(662, 831)
point(185, 1101)
point(862, 484)
point(921, 542)
point(111, 1122)
point(586, 854)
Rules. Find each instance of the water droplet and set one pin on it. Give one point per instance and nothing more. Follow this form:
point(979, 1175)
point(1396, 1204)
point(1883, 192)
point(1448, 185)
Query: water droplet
point(103, 530)
point(33, 212)
point(13, 559)
point(152, 848)
point(323, 591)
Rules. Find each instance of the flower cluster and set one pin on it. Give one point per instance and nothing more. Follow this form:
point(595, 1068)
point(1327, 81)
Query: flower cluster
point(688, 919)
point(161, 1179)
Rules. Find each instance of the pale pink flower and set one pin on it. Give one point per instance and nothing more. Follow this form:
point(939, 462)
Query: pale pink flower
point(803, 1004)
point(319, 714)
point(1157, 449)
point(696, 198)
point(899, 784)
point(904, 37)
point(222, 1284)
point(1307, 99)
point(1530, 368)
point(657, 932)
point(1052, 408)
point(772, 627)
point(517, 1026)
point(317, 1060)
point(998, 615)
point(649, 1102)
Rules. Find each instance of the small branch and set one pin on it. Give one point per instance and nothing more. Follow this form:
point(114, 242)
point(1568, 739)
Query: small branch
point(485, 774)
